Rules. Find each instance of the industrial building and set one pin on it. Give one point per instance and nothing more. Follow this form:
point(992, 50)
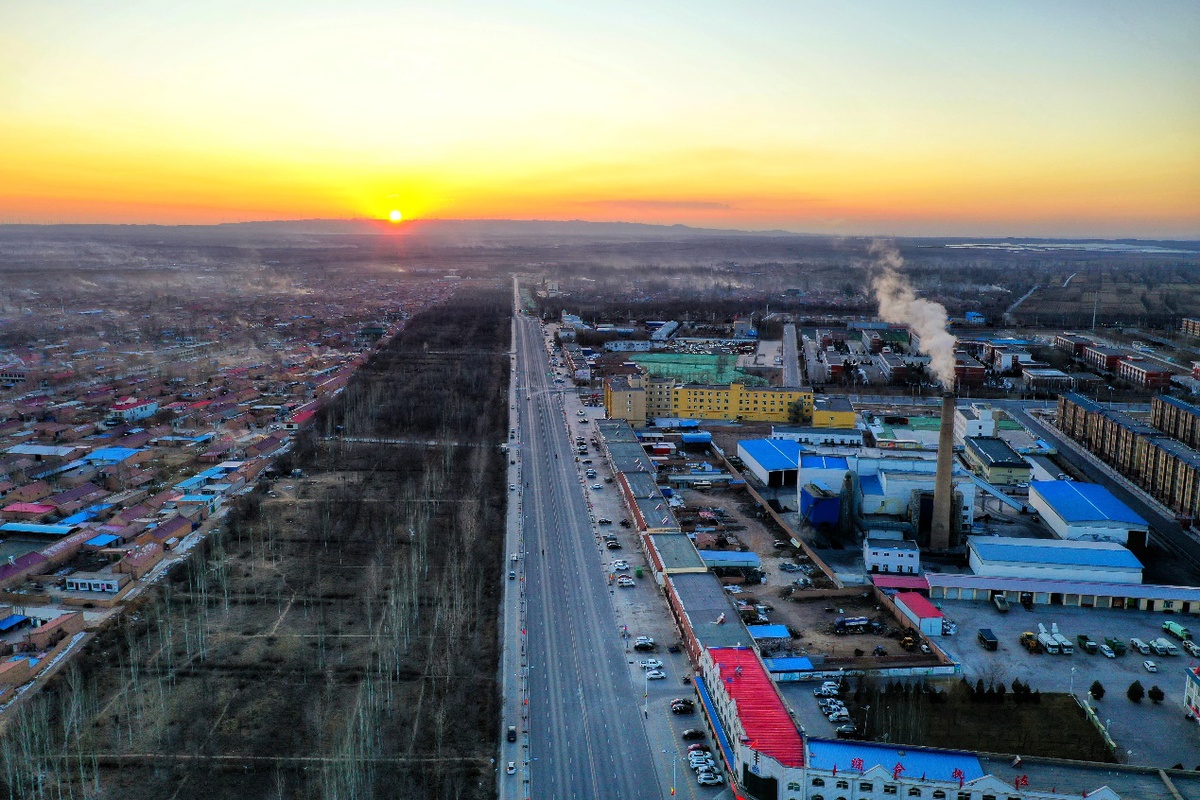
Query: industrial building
point(996, 461)
point(1079, 511)
point(974, 420)
point(775, 462)
point(829, 437)
point(1048, 559)
point(833, 412)
point(891, 556)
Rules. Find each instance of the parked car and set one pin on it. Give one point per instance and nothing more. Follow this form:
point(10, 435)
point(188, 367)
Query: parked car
point(710, 780)
point(649, 663)
point(1107, 651)
point(1150, 666)
point(698, 747)
point(597, 486)
point(682, 710)
point(620, 565)
point(1192, 648)
point(626, 582)
point(613, 545)
point(655, 674)
point(788, 566)
point(512, 733)
point(511, 769)
point(691, 734)
point(644, 647)
point(604, 521)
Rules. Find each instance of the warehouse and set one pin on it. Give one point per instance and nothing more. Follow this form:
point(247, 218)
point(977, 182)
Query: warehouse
point(1048, 559)
point(775, 462)
point(1075, 510)
point(920, 612)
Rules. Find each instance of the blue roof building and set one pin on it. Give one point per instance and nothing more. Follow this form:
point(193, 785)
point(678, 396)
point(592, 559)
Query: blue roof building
point(1053, 559)
point(773, 461)
point(1086, 511)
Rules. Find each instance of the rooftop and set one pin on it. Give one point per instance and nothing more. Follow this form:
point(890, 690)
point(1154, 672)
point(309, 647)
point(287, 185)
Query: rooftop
point(764, 717)
point(1054, 552)
point(934, 765)
point(994, 451)
point(1075, 501)
point(773, 454)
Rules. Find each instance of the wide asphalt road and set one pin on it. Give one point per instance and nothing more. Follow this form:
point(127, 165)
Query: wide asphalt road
point(791, 357)
point(585, 737)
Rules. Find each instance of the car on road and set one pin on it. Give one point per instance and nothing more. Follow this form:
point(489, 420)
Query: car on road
point(581, 413)
point(1150, 666)
point(512, 575)
point(655, 674)
point(604, 521)
point(678, 709)
point(838, 716)
point(788, 566)
point(597, 487)
point(846, 731)
point(620, 565)
point(1107, 651)
point(511, 769)
point(700, 758)
point(613, 544)
point(713, 779)
point(512, 733)
point(626, 582)
point(699, 747)
point(692, 734)
point(649, 663)
point(512, 487)
point(644, 647)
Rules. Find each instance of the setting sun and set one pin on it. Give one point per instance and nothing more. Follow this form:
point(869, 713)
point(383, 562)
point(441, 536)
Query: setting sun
point(395, 216)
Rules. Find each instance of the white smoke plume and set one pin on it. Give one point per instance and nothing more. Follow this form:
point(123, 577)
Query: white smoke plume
point(899, 305)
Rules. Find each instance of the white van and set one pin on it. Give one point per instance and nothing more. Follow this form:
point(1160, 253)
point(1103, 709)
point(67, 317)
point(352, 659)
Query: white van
point(1140, 646)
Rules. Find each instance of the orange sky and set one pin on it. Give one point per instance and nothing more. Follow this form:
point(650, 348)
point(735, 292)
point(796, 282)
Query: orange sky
point(844, 118)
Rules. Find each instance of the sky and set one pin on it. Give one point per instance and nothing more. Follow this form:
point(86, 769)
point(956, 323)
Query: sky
point(957, 118)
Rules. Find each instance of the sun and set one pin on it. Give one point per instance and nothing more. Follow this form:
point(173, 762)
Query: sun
point(395, 216)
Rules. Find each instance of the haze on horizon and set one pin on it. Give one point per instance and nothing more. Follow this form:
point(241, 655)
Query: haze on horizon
point(1023, 118)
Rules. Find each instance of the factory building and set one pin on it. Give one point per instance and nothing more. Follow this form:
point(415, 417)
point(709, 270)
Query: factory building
point(849, 437)
point(1043, 559)
point(1082, 511)
point(775, 462)
point(891, 556)
point(996, 461)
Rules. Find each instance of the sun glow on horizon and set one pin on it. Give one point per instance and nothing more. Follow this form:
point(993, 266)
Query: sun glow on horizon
point(395, 216)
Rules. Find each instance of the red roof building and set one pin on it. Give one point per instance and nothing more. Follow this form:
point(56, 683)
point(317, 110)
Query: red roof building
point(764, 718)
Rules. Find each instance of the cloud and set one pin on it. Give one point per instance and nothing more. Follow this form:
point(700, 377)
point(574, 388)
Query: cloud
point(661, 205)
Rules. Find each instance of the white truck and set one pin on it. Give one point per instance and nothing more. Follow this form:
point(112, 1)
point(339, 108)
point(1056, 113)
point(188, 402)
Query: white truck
point(1048, 642)
point(1065, 645)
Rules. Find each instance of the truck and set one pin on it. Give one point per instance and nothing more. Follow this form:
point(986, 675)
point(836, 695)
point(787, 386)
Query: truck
point(988, 640)
point(1158, 646)
point(1178, 631)
point(1167, 646)
point(1048, 642)
point(1064, 644)
point(1140, 646)
point(1117, 645)
point(851, 625)
point(1001, 603)
point(1087, 644)
point(1030, 642)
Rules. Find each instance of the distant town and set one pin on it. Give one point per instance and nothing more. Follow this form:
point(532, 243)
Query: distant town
point(450, 514)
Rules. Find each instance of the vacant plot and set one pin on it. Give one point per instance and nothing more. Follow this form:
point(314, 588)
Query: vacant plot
point(337, 642)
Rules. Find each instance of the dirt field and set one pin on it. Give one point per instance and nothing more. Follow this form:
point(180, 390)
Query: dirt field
point(1050, 725)
point(335, 640)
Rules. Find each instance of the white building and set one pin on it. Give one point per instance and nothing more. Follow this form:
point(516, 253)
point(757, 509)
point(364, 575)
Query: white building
point(890, 493)
point(891, 556)
point(977, 420)
point(1050, 559)
point(846, 437)
point(1087, 511)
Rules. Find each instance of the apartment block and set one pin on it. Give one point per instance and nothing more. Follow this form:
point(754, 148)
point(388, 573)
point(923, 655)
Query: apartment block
point(1190, 327)
point(1176, 419)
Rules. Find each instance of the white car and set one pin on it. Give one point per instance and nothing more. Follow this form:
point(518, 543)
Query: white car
point(655, 674)
point(733, 589)
point(701, 760)
point(620, 566)
point(511, 769)
point(1150, 666)
point(626, 582)
point(712, 779)
point(597, 487)
point(1107, 651)
point(649, 663)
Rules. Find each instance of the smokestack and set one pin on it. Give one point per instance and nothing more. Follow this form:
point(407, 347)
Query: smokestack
point(943, 487)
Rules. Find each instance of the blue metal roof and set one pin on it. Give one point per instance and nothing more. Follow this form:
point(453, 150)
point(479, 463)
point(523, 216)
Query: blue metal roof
point(103, 540)
point(33, 527)
point(788, 664)
point(823, 462)
point(1084, 502)
point(773, 454)
point(710, 711)
point(12, 621)
point(1117, 557)
point(870, 484)
point(769, 631)
point(720, 557)
point(111, 455)
point(934, 765)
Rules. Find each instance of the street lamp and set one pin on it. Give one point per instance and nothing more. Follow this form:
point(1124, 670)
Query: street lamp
point(1072, 689)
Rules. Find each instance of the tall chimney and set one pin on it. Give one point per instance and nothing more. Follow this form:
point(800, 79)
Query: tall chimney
point(943, 487)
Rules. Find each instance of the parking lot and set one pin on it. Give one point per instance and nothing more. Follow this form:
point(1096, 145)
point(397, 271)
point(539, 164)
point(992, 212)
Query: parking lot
point(1158, 736)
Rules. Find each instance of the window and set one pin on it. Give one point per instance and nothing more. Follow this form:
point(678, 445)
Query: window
point(865, 786)
point(964, 796)
point(843, 784)
point(914, 792)
point(938, 794)
point(817, 782)
point(890, 788)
